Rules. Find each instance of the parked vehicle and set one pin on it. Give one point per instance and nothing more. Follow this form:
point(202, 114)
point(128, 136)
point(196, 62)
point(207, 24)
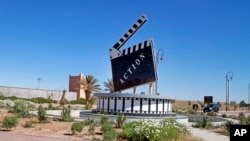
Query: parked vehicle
point(211, 108)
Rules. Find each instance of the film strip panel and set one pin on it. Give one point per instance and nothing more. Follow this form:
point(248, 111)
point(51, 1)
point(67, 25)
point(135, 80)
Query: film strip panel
point(137, 47)
point(130, 32)
point(135, 66)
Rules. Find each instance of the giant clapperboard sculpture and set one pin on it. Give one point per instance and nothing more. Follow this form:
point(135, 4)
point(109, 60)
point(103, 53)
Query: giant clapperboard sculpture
point(134, 65)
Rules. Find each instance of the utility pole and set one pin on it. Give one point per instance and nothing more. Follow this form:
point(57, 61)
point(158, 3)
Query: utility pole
point(38, 82)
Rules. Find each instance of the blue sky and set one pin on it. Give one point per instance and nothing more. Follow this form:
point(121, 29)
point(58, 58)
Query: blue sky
point(202, 41)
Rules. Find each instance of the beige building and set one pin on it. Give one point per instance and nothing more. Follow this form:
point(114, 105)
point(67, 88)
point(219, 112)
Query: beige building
point(75, 86)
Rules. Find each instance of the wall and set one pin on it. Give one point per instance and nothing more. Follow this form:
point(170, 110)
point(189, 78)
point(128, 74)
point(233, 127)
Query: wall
point(33, 93)
point(75, 86)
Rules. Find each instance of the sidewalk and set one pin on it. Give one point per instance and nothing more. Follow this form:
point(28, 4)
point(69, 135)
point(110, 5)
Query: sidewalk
point(206, 135)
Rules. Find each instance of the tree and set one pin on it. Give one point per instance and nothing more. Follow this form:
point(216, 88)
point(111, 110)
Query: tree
point(109, 86)
point(89, 85)
point(242, 103)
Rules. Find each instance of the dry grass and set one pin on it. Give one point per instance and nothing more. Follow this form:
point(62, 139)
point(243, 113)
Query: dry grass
point(189, 138)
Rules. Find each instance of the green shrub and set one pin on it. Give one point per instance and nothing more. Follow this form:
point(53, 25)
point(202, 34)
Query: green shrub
point(248, 120)
point(66, 115)
point(128, 130)
point(227, 125)
point(9, 122)
point(13, 98)
point(42, 100)
point(92, 130)
point(2, 105)
point(109, 132)
point(106, 127)
point(172, 133)
point(212, 114)
point(51, 107)
point(41, 114)
point(242, 118)
point(189, 102)
point(76, 127)
point(191, 111)
point(104, 119)
point(204, 123)
point(21, 108)
point(91, 102)
point(2, 97)
point(8, 104)
point(120, 120)
point(90, 121)
point(78, 101)
point(151, 130)
point(110, 135)
point(28, 124)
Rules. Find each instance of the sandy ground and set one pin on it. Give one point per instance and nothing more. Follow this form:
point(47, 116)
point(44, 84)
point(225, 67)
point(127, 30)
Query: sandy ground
point(54, 129)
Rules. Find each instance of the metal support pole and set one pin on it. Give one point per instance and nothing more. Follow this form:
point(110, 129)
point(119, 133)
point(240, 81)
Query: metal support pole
point(226, 96)
point(229, 76)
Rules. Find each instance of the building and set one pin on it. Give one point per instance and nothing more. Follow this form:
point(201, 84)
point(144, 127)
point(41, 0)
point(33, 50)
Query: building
point(75, 86)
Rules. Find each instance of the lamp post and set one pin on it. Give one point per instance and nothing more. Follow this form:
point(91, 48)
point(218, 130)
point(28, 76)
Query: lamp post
point(229, 76)
point(161, 52)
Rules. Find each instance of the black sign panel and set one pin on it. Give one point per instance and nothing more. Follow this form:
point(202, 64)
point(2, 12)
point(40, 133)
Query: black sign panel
point(136, 66)
point(208, 99)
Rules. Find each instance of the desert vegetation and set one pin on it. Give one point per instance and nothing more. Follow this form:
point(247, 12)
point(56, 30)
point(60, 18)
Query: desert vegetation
point(15, 113)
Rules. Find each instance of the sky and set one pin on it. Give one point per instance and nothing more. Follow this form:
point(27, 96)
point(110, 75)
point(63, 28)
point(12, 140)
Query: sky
point(202, 41)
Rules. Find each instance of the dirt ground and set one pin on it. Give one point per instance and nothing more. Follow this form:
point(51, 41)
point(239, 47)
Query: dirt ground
point(52, 129)
point(59, 129)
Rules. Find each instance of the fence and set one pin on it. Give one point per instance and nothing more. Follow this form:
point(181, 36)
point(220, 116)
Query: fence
point(33, 93)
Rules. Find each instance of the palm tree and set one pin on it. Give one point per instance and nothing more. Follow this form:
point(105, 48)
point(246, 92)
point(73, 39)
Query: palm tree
point(109, 86)
point(89, 85)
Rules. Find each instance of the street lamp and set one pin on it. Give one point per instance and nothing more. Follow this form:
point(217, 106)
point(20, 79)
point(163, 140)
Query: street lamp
point(229, 76)
point(161, 52)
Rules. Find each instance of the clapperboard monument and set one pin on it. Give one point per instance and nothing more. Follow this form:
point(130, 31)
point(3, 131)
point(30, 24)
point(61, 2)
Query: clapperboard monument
point(131, 67)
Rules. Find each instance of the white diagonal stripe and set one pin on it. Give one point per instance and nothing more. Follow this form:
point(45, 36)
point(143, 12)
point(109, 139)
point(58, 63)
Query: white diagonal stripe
point(131, 49)
point(142, 45)
point(137, 47)
point(126, 51)
point(148, 43)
